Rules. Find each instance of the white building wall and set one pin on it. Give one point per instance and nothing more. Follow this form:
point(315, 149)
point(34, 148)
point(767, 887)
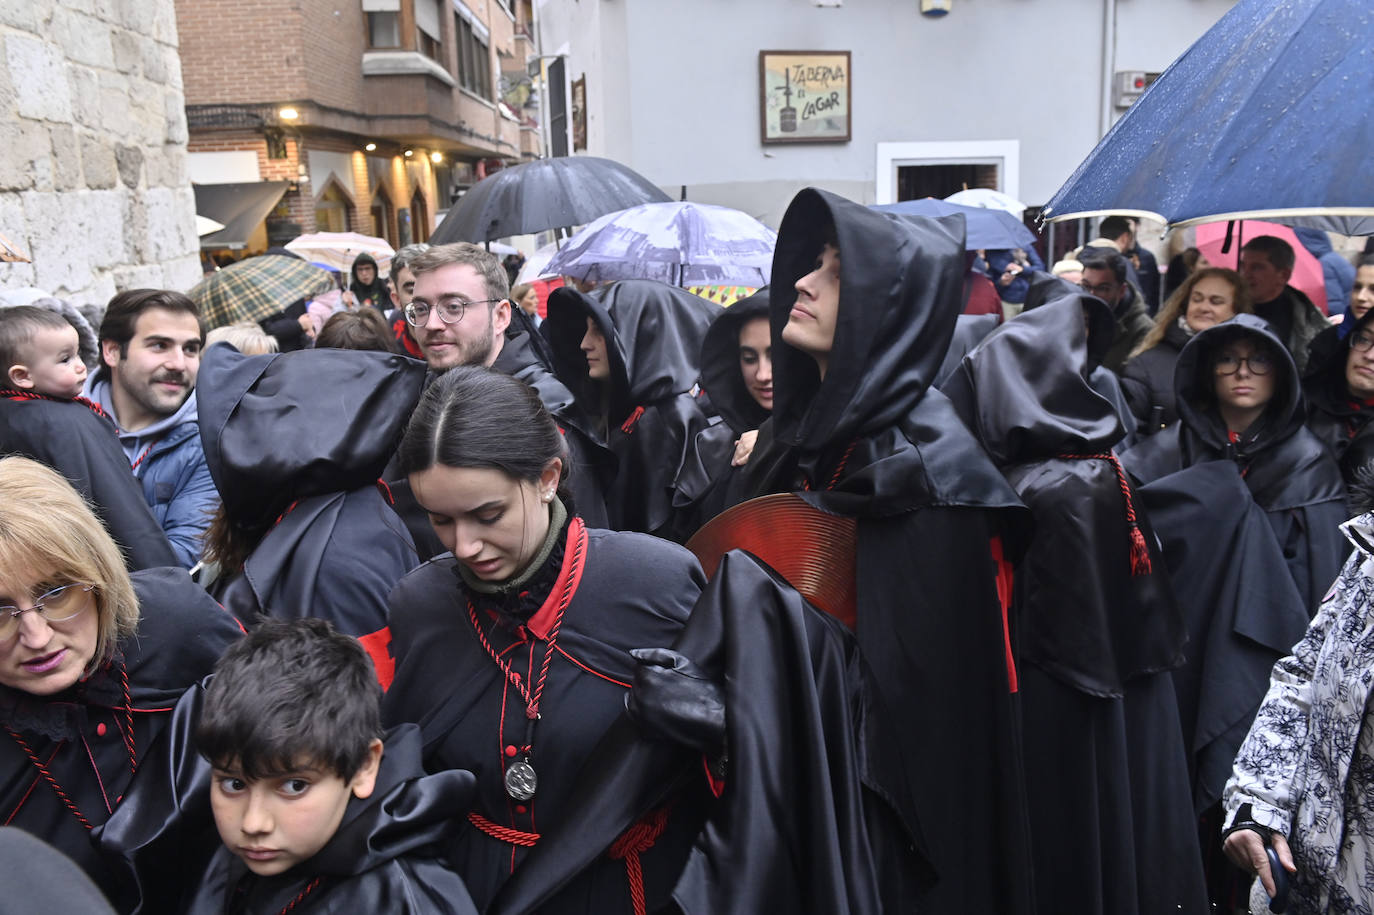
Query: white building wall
point(93, 182)
point(678, 96)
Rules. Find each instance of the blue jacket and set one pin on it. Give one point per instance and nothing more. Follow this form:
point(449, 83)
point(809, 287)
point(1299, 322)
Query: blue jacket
point(169, 462)
point(1338, 274)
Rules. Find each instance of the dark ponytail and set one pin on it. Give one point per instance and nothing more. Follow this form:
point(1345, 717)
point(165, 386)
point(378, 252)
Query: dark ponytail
point(475, 417)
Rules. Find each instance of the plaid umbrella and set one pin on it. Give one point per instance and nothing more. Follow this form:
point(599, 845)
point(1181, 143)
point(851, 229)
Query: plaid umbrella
point(257, 288)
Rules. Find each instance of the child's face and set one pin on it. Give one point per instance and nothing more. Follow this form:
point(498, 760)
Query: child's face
point(273, 824)
point(52, 364)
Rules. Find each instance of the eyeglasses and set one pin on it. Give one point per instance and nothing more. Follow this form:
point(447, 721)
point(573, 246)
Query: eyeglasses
point(56, 606)
point(451, 311)
point(1361, 342)
point(1101, 290)
point(1228, 364)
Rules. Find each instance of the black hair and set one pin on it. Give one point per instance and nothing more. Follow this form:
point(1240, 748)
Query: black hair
point(125, 308)
point(1279, 252)
point(364, 329)
point(291, 693)
point(1113, 226)
point(1102, 259)
point(475, 417)
point(1366, 260)
point(17, 328)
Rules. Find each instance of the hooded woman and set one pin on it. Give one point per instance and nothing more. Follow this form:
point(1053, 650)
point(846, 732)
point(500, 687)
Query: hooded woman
point(628, 352)
point(737, 376)
point(1340, 396)
point(862, 307)
point(1239, 399)
point(296, 442)
point(1096, 623)
point(1208, 296)
point(367, 285)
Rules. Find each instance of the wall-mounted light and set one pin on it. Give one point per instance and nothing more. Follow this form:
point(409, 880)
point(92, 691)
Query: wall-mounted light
point(408, 153)
point(288, 114)
point(371, 147)
point(436, 157)
point(935, 8)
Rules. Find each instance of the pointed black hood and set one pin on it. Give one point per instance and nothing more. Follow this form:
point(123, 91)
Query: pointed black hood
point(901, 289)
point(1195, 386)
point(720, 371)
point(288, 426)
point(653, 340)
point(1024, 390)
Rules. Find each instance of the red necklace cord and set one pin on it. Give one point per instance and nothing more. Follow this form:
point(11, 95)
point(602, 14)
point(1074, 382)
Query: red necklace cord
point(139, 459)
point(532, 699)
point(1140, 553)
point(309, 888)
point(638, 838)
point(52, 781)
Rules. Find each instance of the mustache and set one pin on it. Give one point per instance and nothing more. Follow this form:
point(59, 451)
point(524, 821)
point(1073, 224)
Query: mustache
point(170, 378)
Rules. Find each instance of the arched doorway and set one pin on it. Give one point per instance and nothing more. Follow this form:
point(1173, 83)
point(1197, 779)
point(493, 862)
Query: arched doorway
point(383, 222)
point(419, 215)
point(333, 209)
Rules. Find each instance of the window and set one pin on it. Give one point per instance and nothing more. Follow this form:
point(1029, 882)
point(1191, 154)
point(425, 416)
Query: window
point(428, 38)
point(429, 46)
point(384, 30)
point(474, 61)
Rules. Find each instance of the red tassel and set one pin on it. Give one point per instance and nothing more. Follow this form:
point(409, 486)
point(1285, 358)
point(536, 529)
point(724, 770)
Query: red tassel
point(628, 426)
point(1140, 553)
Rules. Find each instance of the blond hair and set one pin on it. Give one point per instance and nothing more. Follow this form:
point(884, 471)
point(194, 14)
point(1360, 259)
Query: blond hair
point(245, 336)
point(1177, 303)
point(47, 529)
point(493, 275)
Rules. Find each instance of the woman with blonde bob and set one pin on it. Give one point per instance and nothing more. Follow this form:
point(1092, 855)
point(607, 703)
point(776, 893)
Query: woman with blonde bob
point(92, 660)
point(1207, 297)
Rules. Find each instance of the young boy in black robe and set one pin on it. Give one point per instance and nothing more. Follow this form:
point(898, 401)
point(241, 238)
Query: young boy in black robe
point(316, 811)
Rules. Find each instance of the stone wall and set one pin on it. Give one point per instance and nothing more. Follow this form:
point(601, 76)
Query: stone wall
point(93, 182)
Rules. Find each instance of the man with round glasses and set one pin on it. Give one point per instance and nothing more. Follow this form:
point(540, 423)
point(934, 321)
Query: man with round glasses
point(460, 314)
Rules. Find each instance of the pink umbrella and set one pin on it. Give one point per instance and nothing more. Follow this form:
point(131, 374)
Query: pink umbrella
point(1307, 271)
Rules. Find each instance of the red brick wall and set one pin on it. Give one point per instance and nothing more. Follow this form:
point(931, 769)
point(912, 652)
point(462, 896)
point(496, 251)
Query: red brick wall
point(243, 51)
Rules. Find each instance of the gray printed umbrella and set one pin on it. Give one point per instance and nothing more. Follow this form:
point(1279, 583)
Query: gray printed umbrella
point(546, 194)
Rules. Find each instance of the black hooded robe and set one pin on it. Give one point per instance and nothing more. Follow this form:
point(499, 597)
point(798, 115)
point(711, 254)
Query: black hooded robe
point(1106, 768)
point(296, 443)
point(73, 440)
point(653, 340)
point(1340, 420)
point(79, 736)
point(872, 442)
point(386, 855)
point(1288, 471)
point(628, 591)
point(703, 485)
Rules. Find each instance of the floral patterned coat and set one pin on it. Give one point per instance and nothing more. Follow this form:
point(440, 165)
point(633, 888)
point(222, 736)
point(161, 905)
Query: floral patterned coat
point(1307, 765)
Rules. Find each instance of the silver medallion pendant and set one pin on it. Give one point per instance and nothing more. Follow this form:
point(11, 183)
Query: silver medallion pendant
point(521, 781)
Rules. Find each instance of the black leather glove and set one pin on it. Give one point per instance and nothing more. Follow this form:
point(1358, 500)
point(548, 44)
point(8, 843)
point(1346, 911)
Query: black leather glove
point(673, 699)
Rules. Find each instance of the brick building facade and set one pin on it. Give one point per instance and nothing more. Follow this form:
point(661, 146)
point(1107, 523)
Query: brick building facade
point(376, 112)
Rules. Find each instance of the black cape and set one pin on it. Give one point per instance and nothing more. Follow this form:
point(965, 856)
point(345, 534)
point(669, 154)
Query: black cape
point(1288, 471)
point(653, 340)
point(806, 822)
point(703, 484)
point(386, 855)
point(1339, 420)
point(72, 439)
point(79, 734)
point(634, 591)
point(875, 443)
point(591, 466)
point(296, 442)
point(1106, 769)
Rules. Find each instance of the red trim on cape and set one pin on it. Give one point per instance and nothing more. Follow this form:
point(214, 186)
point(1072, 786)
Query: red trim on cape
point(569, 577)
point(1006, 577)
point(378, 647)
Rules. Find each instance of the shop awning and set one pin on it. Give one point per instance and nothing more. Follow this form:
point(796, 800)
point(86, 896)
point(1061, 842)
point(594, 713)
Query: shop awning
point(241, 207)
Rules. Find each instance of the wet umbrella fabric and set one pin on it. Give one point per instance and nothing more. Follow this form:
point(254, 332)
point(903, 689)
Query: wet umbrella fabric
point(1255, 119)
point(257, 288)
point(985, 227)
point(681, 244)
point(338, 250)
point(545, 194)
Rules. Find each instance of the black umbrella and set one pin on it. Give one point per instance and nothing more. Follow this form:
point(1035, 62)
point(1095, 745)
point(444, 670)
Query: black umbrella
point(546, 194)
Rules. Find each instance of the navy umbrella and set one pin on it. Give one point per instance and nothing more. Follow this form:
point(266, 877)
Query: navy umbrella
point(545, 194)
point(987, 228)
point(1267, 116)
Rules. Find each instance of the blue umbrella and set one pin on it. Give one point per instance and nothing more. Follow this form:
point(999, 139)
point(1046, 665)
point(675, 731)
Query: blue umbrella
point(681, 244)
point(1267, 116)
point(986, 228)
